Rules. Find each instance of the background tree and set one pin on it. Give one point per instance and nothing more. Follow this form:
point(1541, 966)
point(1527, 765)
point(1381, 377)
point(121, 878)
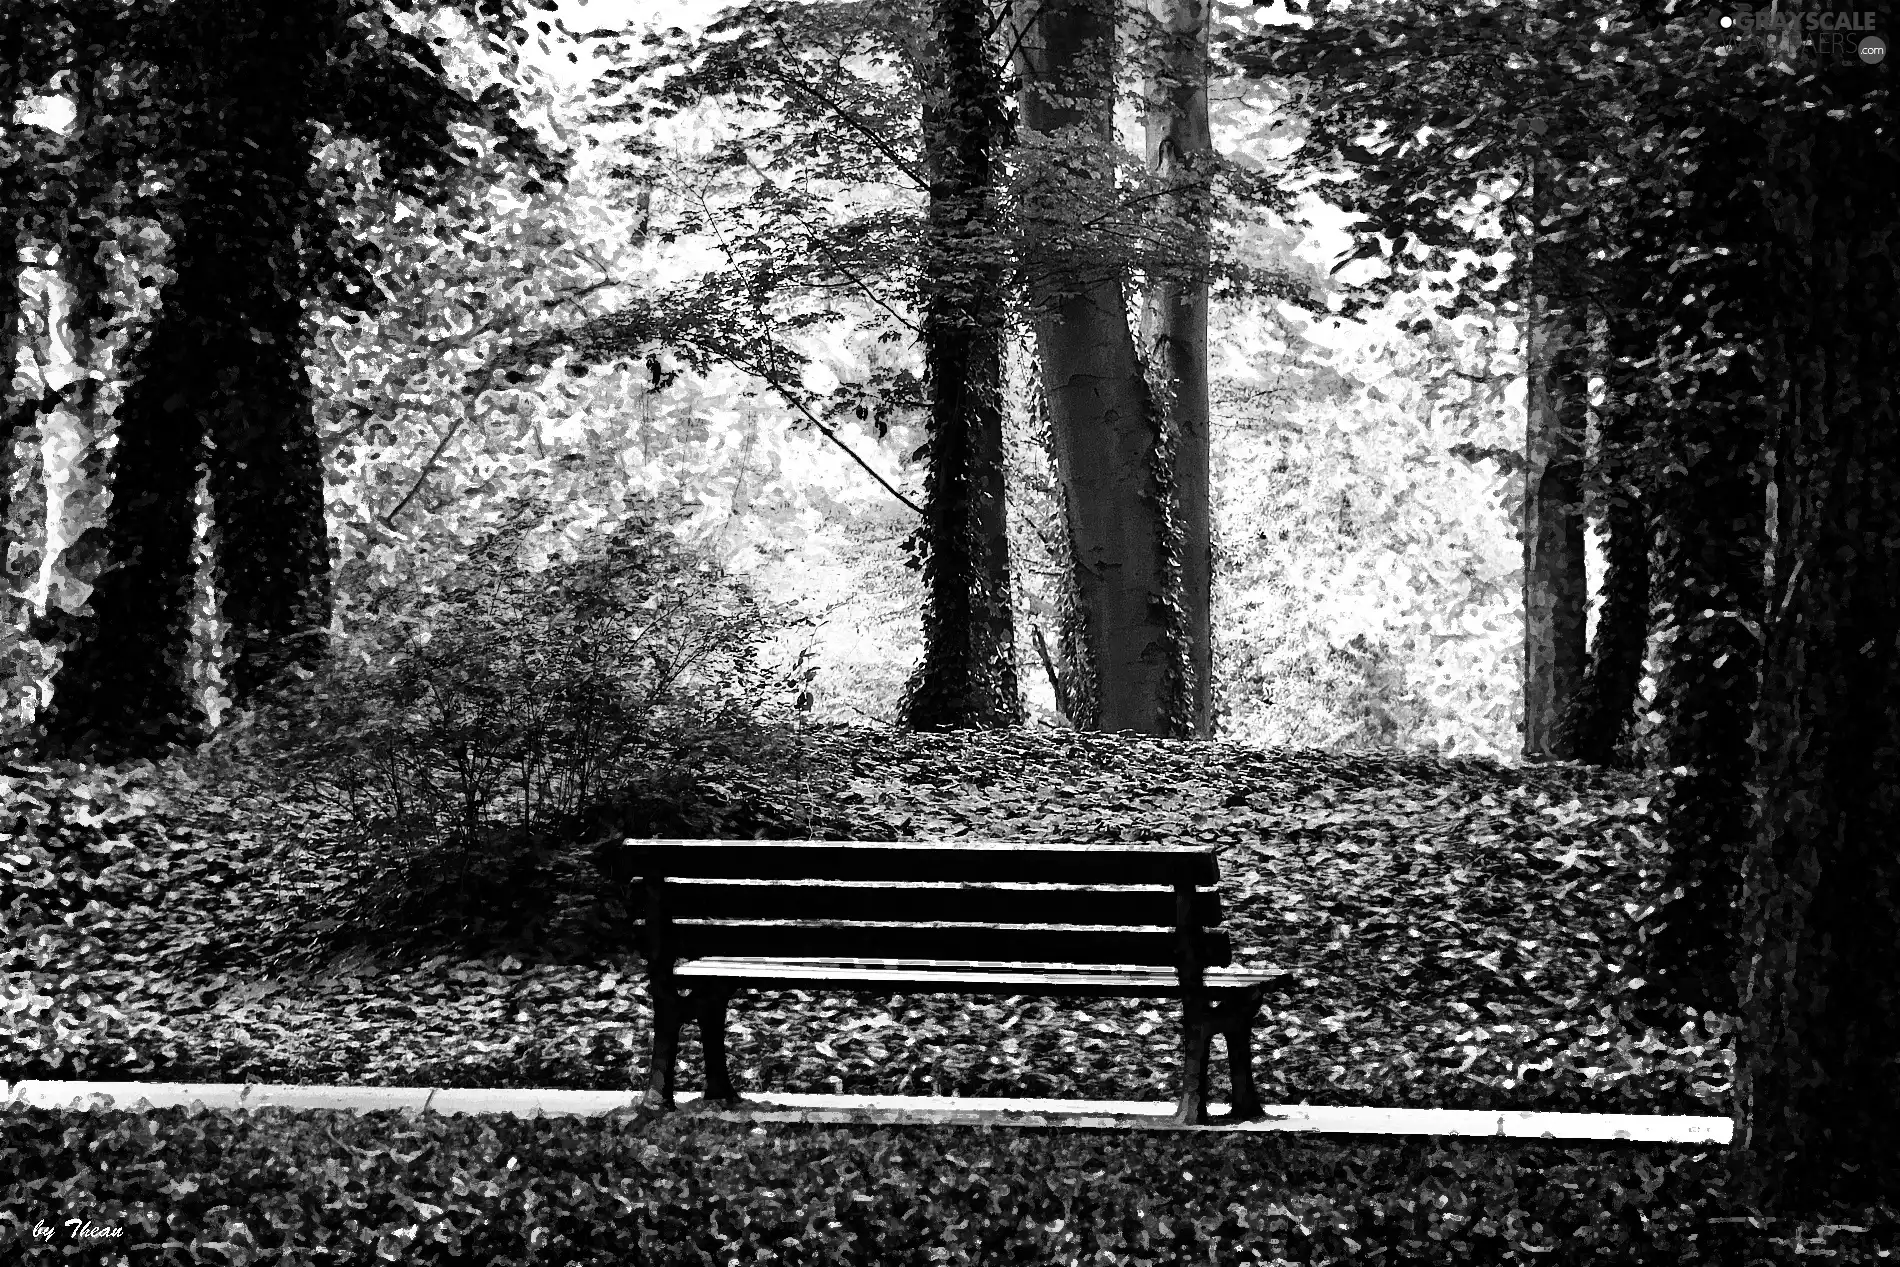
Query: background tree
point(1556, 592)
point(1597, 724)
point(968, 674)
point(825, 122)
point(1180, 151)
point(937, 278)
point(1484, 123)
point(219, 376)
point(1128, 671)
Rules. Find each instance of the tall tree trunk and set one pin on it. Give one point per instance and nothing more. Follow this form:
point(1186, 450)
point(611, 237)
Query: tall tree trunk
point(1710, 527)
point(1101, 419)
point(272, 564)
point(968, 675)
point(221, 365)
point(1816, 1084)
point(121, 686)
point(1599, 717)
point(1556, 590)
point(1174, 320)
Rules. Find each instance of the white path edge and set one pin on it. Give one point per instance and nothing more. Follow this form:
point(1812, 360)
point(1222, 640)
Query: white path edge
point(880, 1110)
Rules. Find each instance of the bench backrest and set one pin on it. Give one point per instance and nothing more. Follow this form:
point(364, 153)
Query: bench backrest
point(1105, 904)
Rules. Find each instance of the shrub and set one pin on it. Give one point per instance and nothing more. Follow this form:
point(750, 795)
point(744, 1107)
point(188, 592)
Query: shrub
point(467, 733)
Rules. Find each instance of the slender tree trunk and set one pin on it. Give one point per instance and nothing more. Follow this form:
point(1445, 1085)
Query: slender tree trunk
point(1598, 720)
point(1817, 1086)
point(1556, 590)
point(968, 675)
point(1174, 320)
point(1101, 419)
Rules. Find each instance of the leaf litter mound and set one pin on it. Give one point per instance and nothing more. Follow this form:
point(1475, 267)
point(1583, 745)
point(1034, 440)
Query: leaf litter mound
point(1442, 933)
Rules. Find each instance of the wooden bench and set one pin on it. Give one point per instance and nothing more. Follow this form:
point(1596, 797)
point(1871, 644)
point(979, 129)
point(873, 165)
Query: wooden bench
point(978, 918)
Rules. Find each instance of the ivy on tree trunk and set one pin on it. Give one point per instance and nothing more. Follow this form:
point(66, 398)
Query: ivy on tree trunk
point(1180, 149)
point(968, 675)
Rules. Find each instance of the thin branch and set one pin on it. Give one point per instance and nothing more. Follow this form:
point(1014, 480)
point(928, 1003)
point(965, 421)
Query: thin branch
point(996, 22)
point(1022, 32)
point(902, 164)
point(1048, 667)
point(792, 400)
point(428, 469)
point(772, 379)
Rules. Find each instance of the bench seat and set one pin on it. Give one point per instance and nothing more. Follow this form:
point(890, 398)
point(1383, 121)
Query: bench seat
point(924, 976)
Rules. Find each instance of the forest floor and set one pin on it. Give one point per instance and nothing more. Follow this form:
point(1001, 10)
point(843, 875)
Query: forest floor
point(1447, 933)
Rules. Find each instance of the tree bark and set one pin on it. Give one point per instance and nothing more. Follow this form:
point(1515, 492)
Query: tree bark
point(1101, 418)
point(120, 688)
point(272, 562)
point(1710, 538)
point(1816, 1084)
point(1598, 720)
point(968, 675)
point(1556, 590)
point(1180, 149)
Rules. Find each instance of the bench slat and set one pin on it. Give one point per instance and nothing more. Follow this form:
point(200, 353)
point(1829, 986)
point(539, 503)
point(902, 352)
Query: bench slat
point(963, 977)
point(944, 941)
point(963, 904)
point(973, 863)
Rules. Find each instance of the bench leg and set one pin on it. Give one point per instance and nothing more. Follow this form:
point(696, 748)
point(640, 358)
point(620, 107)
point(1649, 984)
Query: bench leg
point(667, 1014)
point(1240, 1068)
point(1237, 1028)
point(709, 1005)
point(1197, 1037)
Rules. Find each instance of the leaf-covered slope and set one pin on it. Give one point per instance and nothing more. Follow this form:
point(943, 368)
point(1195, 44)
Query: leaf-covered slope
point(1445, 933)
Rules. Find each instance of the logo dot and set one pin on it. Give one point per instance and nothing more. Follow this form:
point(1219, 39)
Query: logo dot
point(1873, 48)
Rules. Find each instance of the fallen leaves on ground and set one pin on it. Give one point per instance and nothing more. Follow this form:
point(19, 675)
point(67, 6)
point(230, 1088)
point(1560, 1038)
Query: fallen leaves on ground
point(1448, 933)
